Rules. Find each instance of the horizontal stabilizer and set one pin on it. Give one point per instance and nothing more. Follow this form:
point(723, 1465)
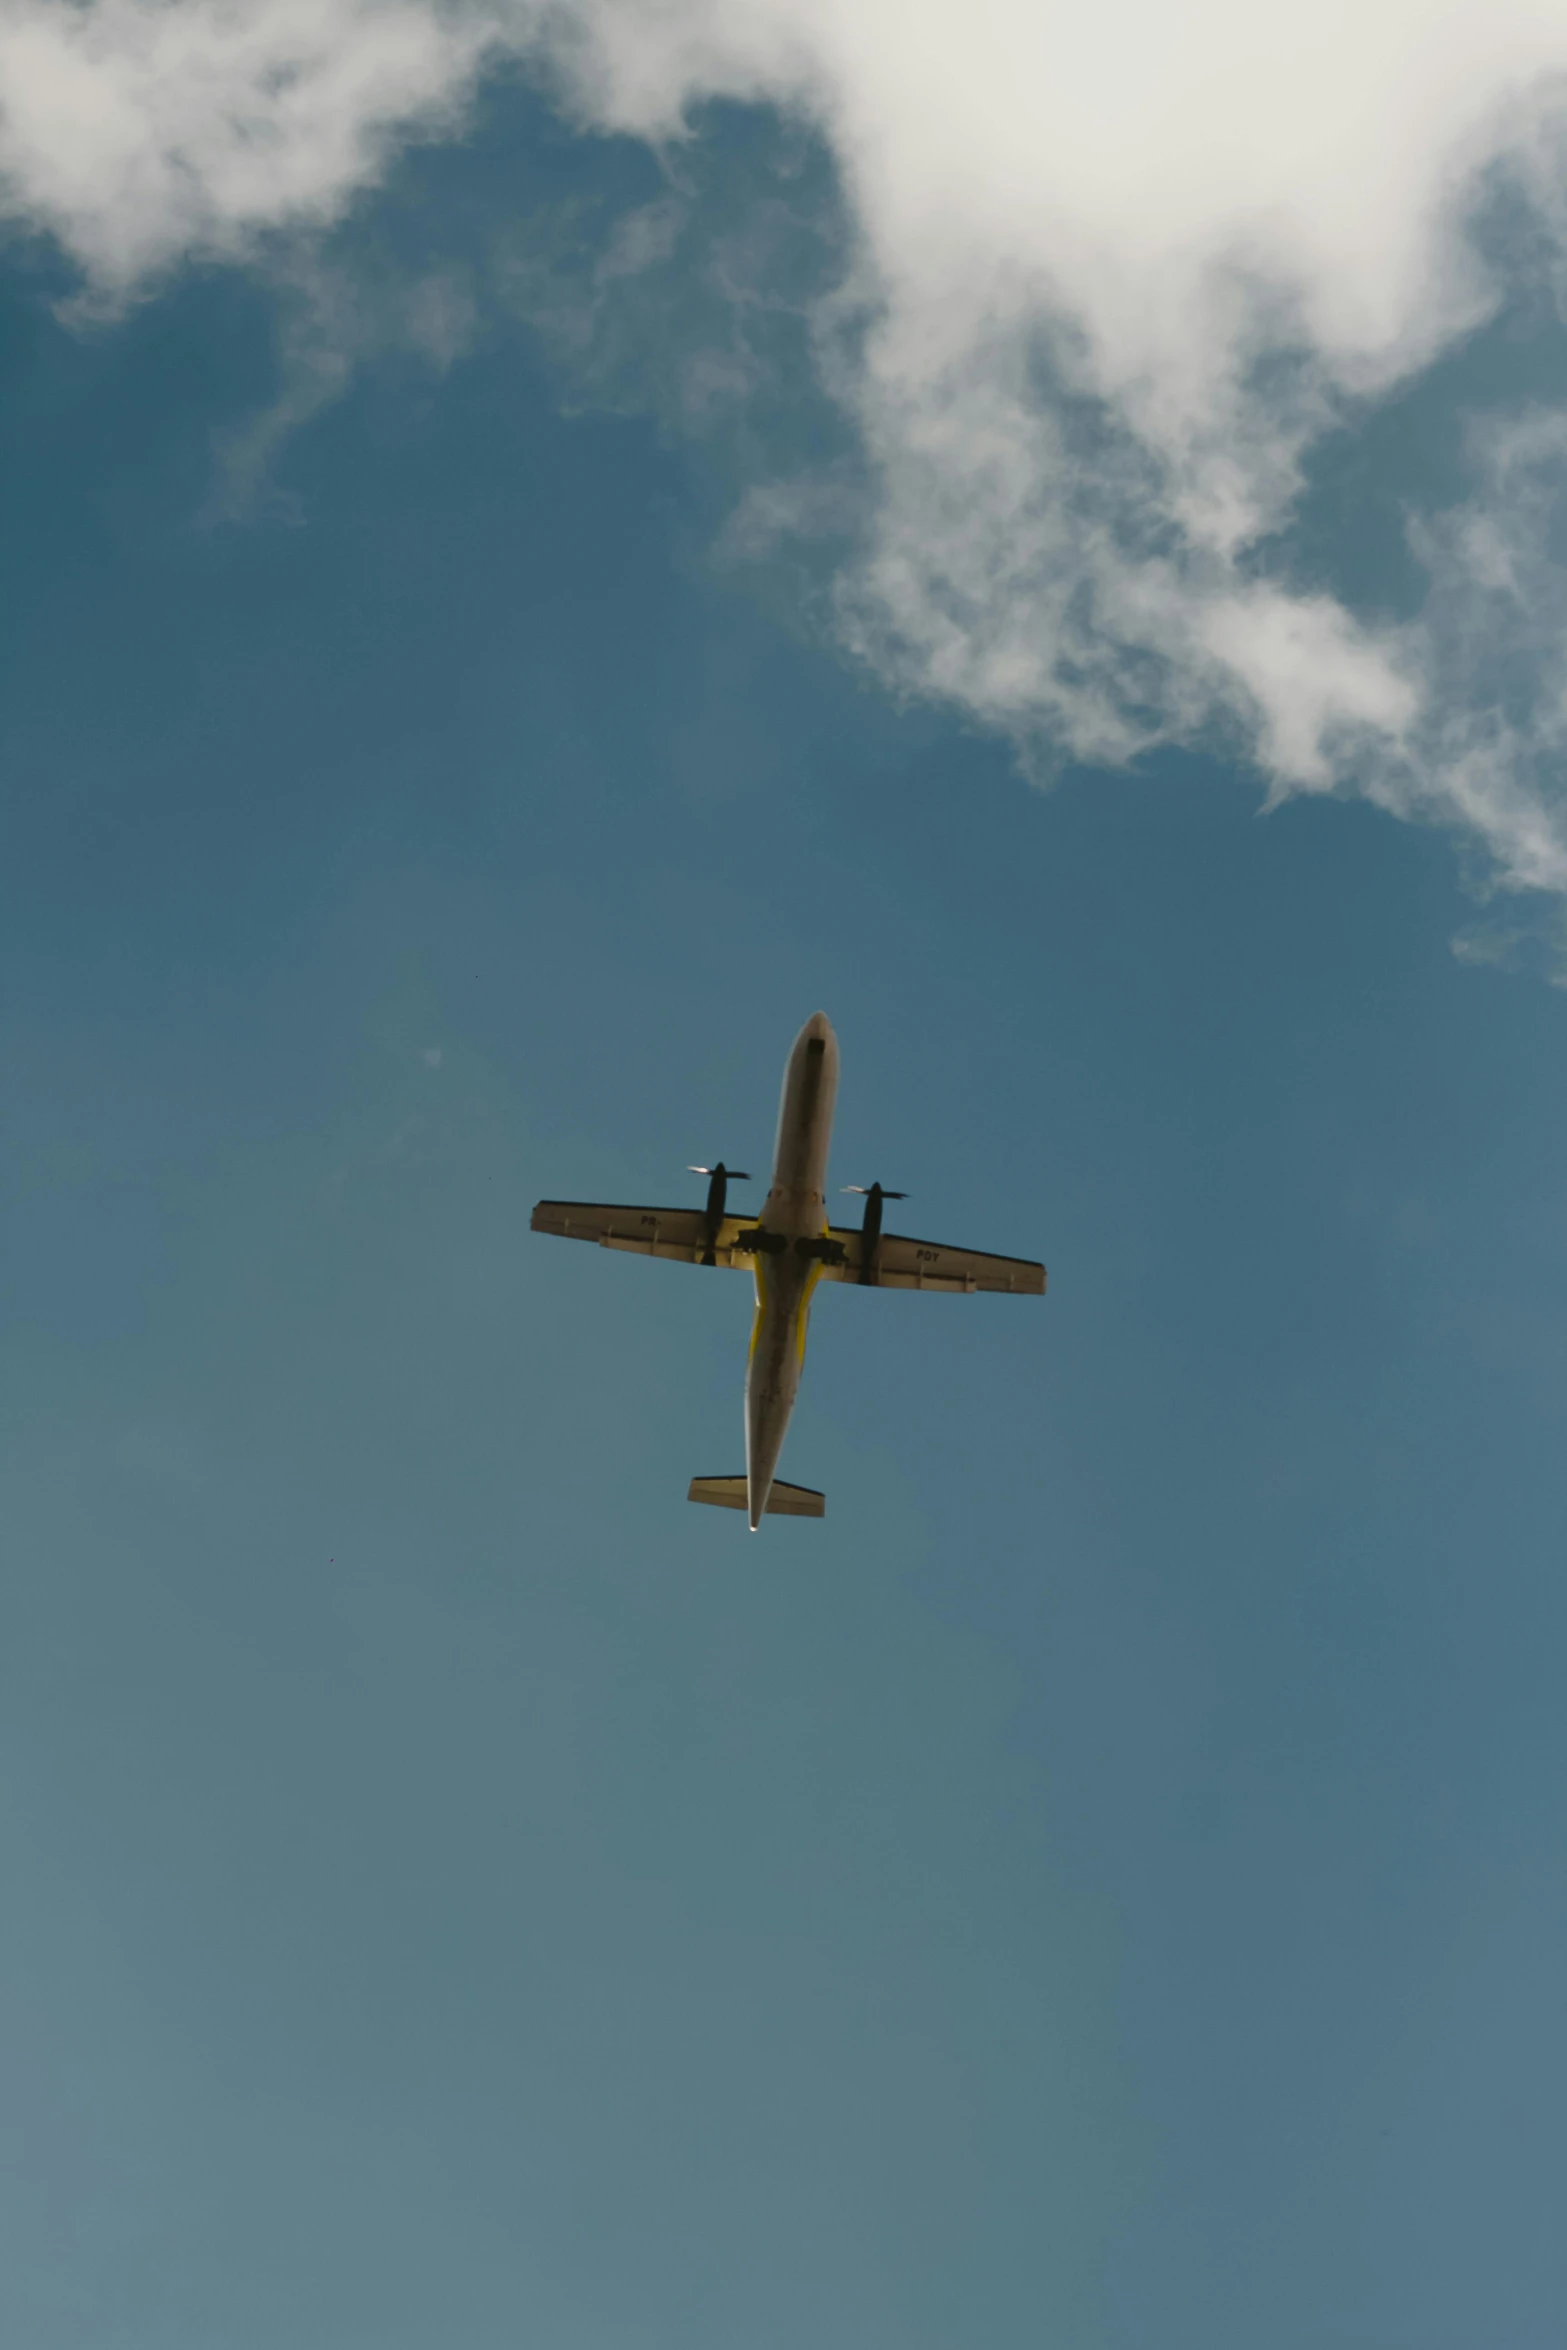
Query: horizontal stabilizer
point(784, 1501)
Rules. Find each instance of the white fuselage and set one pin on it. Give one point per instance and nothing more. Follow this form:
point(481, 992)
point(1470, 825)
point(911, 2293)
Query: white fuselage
point(794, 1224)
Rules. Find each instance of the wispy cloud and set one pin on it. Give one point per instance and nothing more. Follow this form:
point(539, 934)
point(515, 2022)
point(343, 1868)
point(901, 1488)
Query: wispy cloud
point(140, 132)
point(1113, 276)
point(333, 317)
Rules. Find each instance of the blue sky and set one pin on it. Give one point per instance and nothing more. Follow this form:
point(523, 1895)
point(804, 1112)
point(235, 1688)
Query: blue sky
point(1103, 1885)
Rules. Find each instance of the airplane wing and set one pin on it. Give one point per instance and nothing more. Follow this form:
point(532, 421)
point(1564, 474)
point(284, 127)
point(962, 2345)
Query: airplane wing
point(926, 1264)
point(679, 1233)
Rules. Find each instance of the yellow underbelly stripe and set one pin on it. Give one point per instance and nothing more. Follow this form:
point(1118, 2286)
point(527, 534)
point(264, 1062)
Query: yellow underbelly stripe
point(761, 1302)
point(802, 1311)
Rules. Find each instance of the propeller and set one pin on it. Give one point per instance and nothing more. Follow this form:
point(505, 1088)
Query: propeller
point(870, 1231)
point(717, 1189)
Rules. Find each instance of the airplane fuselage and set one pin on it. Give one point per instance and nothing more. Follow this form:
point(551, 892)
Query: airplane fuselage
point(793, 1238)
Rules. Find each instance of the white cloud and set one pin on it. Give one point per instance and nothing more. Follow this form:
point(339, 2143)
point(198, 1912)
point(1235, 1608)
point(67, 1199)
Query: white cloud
point(140, 131)
point(1116, 270)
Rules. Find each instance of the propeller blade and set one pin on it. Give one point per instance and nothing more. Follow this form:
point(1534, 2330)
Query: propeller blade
point(865, 1190)
point(735, 1174)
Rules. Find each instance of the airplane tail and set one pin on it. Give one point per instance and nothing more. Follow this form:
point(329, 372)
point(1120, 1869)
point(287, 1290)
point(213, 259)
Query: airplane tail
point(784, 1501)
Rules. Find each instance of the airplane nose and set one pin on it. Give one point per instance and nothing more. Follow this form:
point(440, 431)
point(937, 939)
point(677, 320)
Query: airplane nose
point(818, 1025)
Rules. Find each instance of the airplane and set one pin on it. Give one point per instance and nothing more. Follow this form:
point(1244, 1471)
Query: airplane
point(790, 1247)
